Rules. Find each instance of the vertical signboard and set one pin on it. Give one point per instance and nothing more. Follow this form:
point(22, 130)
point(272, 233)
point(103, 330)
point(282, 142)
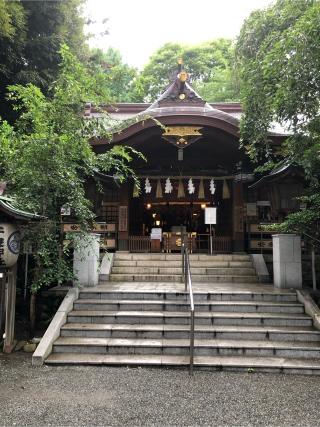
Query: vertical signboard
point(210, 216)
point(123, 218)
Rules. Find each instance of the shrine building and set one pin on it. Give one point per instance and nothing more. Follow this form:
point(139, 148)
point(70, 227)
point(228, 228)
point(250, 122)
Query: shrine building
point(193, 161)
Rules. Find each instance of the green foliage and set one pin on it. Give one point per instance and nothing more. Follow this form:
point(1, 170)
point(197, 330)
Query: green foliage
point(306, 221)
point(279, 53)
point(30, 37)
point(46, 159)
point(11, 19)
point(210, 65)
point(119, 76)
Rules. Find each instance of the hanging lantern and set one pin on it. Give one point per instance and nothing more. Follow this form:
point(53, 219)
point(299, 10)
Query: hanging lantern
point(212, 186)
point(191, 187)
point(168, 186)
point(201, 190)
point(147, 186)
point(159, 190)
point(9, 245)
point(135, 192)
point(180, 190)
point(225, 190)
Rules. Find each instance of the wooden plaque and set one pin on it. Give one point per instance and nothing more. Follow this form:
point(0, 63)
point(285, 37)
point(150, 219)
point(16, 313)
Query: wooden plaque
point(123, 218)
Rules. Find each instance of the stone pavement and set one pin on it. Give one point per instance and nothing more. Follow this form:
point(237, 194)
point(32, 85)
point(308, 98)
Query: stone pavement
point(96, 396)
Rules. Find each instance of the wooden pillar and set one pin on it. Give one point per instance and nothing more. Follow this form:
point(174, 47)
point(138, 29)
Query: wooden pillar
point(2, 302)
point(123, 225)
point(10, 310)
point(238, 231)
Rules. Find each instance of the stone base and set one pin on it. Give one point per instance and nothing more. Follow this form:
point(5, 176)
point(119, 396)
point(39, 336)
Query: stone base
point(287, 267)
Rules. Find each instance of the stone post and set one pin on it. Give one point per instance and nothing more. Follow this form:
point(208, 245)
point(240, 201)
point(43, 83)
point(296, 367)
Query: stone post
point(287, 268)
point(86, 260)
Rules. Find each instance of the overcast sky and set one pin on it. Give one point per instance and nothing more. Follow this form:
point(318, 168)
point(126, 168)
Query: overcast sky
point(138, 27)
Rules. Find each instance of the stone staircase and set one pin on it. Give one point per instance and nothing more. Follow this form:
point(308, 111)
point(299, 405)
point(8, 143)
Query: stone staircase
point(237, 325)
point(167, 268)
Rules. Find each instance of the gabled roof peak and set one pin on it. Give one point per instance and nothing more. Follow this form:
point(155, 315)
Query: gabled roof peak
point(179, 92)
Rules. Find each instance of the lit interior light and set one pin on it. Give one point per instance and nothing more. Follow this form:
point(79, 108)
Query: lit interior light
point(154, 215)
point(203, 205)
point(148, 205)
point(157, 222)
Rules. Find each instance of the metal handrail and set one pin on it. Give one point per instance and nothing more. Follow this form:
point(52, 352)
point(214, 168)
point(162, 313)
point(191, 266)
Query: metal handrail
point(317, 241)
point(186, 274)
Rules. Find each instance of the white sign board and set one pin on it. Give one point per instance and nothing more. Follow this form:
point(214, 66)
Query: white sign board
point(210, 215)
point(156, 234)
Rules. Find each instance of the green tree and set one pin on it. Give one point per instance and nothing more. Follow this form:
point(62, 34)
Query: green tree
point(11, 18)
point(119, 76)
point(30, 37)
point(46, 159)
point(210, 65)
point(279, 52)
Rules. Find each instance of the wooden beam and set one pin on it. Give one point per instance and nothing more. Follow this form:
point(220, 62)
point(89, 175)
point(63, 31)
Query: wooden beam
point(10, 310)
point(215, 178)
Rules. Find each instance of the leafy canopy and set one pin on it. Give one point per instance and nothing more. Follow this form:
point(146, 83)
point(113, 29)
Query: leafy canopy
point(279, 53)
point(120, 77)
point(46, 159)
point(31, 33)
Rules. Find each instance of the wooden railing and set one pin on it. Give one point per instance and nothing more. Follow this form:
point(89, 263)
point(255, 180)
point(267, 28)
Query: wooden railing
point(139, 244)
point(221, 244)
point(199, 244)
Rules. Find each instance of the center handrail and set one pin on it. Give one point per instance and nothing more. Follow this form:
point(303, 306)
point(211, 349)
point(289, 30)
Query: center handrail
point(186, 273)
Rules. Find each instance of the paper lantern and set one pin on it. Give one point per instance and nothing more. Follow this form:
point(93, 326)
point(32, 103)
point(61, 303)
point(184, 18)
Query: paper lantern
point(201, 190)
point(180, 190)
point(9, 245)
point(159, 190)
point(225, 190)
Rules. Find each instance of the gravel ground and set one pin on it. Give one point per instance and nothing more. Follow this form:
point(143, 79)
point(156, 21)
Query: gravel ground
point(90, 396)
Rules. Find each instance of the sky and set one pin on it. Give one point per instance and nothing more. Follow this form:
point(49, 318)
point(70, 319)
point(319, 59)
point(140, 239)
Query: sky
point(139, 27)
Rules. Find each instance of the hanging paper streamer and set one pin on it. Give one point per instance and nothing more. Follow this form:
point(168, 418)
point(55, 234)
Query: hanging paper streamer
point(147, 186)
point(225, 190)
point(191, 187)
point(180, 190)
point(159, 190)
point(212, 186)
point(201, 190)
point(168, 187)
point(135, 191)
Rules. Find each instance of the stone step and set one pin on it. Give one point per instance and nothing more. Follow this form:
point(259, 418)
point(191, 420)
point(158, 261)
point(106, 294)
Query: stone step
point(171, 257)
point(233, 363)
point(176, 278)
point(227, 271)
point(182, 331)
point(201, 318)
point(236, 295)
point(177, 263)
point(206, 306)
point(203, 347)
